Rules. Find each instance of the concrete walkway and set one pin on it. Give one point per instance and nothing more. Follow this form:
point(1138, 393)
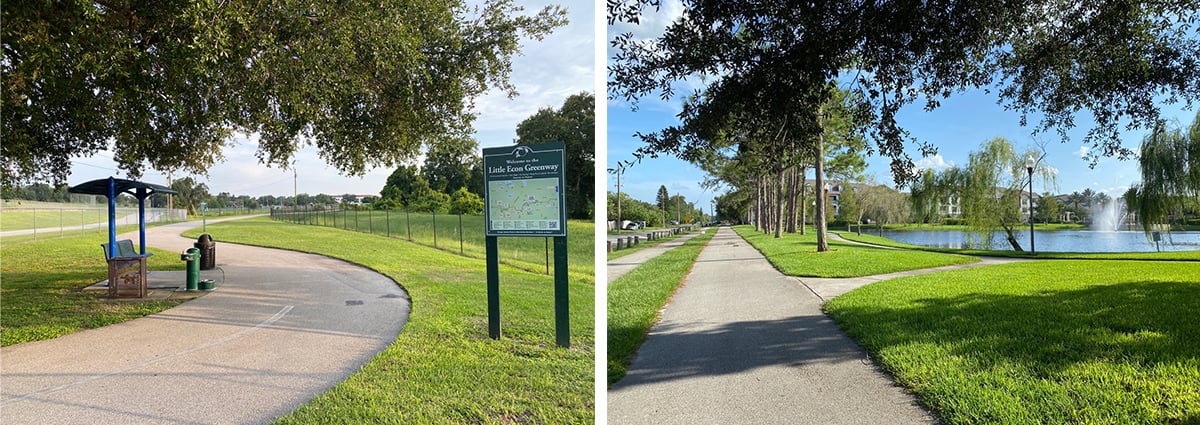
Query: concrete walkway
point(743, 344)
point(282, 328)
point(620, 266)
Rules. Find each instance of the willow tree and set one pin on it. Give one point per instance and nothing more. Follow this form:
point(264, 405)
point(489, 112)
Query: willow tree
point(991, 189)
point(165, 84)
point(1170, 165)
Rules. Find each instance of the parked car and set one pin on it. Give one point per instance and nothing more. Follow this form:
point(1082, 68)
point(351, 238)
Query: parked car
point(631, 225)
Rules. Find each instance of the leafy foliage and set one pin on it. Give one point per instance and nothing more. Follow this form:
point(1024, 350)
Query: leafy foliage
point(165, 84)
point(574, 124)
point(1046, 58)
point(1170, 164)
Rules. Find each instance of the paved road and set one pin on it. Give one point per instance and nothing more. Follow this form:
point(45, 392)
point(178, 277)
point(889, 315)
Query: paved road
point(742, 343)
point(621, 265)
point(283, 328)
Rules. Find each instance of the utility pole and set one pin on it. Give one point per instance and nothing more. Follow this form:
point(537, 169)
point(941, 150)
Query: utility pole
point(618, 171)
point(170, 199)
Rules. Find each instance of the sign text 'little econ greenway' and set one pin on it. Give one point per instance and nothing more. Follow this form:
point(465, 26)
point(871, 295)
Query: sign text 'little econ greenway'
point(523, 190)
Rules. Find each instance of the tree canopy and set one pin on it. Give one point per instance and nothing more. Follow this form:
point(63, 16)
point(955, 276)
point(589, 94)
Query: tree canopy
point(1047, 59)
point(574, 124)
point(165, 84)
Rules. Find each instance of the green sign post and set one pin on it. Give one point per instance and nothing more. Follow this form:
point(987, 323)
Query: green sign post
point(523, 196)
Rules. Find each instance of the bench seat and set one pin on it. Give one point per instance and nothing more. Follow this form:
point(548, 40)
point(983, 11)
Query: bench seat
point(124, 250)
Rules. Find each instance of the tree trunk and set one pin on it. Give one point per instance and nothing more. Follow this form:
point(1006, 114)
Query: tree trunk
point(779, 204)
point(1012, 239)
point(791, 200)
point(757, 205)
point(803, 199)
point(819, 214)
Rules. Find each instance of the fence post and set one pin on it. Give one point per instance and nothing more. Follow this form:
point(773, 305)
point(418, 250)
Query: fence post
point(387, 219)
point(460, 235)
point(82, 219)
point(408, 223)
point(434, 211)
point(547, 240)
point(356, 221)
point(370, 222)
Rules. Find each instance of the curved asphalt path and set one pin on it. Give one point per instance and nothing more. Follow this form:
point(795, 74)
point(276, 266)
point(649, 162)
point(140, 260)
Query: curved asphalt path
point(281, 329)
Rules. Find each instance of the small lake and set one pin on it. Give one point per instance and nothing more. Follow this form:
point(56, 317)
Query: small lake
point(1055, 240)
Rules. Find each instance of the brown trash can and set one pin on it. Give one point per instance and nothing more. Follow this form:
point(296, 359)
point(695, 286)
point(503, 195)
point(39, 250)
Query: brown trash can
point(208, 252)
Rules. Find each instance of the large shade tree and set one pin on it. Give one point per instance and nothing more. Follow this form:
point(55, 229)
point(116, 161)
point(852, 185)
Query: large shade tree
point(574, 124)
point(1170, 165)
point(165, 84)
point(1047, 58)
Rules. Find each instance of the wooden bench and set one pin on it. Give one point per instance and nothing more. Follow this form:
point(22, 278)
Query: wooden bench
point(124, 250)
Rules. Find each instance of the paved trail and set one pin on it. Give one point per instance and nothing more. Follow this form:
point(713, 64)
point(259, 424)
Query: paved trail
point(742, 343)
point(620, 266)
point(283, 327)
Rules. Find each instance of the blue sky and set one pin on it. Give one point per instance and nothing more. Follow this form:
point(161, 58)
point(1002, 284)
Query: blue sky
point(543, 76)
point(960, 125)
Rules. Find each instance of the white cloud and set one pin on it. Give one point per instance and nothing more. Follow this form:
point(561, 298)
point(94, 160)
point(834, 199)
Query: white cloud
point(1082, 151)
point(935, 162)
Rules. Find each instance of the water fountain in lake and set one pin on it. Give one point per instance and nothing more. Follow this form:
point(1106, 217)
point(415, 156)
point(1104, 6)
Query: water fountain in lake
point(1109, 217)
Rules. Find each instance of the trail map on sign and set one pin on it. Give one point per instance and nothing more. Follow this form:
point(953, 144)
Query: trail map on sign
point(527, 204)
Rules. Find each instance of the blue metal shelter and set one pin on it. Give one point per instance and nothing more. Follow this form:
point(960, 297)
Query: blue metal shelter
point(110, 188)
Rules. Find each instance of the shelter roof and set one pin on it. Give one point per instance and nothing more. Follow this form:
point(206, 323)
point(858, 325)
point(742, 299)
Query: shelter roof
point(100, 187)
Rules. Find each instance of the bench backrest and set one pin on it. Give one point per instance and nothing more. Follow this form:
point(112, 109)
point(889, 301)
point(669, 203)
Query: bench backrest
point(124, 249)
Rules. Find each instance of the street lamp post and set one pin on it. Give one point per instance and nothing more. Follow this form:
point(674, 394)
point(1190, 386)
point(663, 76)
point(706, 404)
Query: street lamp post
point(1029, 161)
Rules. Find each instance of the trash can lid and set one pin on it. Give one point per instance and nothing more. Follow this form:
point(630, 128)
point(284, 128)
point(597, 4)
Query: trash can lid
point(204, 238)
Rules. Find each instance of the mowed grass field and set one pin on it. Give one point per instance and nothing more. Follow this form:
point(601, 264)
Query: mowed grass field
point(796, 255)
point(443, 232)
point(443, 368)
point(41, 286)
point(1040, 342)
point(47, 215)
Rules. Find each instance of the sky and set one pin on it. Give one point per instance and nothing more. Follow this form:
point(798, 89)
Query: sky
point(544, 76)
point(962, 123)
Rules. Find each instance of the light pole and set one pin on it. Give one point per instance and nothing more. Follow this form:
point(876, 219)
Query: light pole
point(618, 171)
point(1029, 161)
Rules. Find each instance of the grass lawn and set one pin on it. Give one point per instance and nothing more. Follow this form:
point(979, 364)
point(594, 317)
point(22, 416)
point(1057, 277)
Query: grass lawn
point(524, 253)
point(42, 282)
point(635, 299)
point(797, 255)
point(643, 245)
point(1168, 255)
point(443, 368)
point(1045, 342)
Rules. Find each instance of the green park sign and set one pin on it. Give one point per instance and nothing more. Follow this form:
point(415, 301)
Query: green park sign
point(523, 190)
point(523, 196)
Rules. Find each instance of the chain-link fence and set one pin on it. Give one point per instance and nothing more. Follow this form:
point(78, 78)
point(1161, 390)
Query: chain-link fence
point(461, 234)
point(37, 223)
